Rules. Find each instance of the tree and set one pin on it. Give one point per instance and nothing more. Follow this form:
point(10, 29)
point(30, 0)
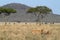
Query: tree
point(40, 11)
point(32, 10)
point(43, 10)
point(7, 11)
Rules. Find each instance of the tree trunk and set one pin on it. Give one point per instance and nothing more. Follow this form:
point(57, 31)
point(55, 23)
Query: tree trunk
point(38, 18)
point(6, 19)
point(0, 12)
point(41, 18)
point(38, 15)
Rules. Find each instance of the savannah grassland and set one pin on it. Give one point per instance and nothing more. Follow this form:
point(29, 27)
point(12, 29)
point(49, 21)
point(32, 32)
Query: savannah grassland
point(25, 31)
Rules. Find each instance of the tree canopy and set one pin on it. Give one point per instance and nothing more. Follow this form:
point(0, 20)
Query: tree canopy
point(40, 10)
point(7, 11)
point(43, 9)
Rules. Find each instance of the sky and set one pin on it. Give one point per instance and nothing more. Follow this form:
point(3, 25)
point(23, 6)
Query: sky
point(53, 4)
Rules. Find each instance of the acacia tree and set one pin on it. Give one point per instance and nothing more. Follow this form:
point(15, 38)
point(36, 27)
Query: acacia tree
point(7, 11)
point(40, 11)
point(43, 10)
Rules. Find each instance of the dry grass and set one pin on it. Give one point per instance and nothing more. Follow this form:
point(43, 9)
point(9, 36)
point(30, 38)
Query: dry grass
point(23, 31)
